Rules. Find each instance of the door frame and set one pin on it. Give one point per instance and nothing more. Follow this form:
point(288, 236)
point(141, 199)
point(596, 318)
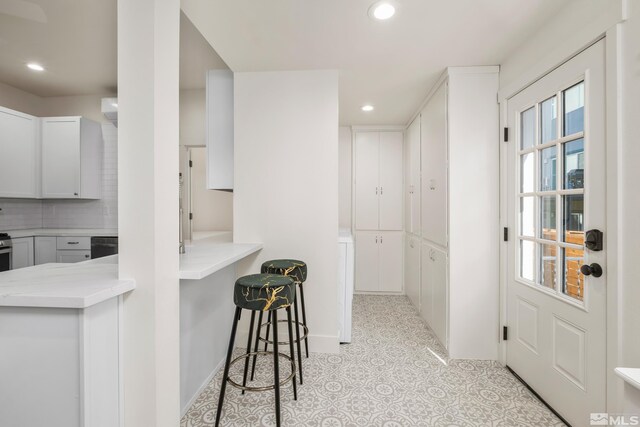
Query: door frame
point(613, 67)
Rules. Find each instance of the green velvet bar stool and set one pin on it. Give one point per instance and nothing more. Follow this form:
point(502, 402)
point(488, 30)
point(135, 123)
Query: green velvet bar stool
point(260, 293)
point(297, 270)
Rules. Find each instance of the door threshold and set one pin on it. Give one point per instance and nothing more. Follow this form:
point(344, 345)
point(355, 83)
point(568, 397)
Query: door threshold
point(538, 396)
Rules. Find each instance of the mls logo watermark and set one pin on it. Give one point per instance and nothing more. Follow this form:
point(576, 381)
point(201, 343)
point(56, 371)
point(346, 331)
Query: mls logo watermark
point(604, 419)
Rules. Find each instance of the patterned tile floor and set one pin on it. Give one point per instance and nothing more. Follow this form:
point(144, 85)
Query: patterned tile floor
point(393, 374)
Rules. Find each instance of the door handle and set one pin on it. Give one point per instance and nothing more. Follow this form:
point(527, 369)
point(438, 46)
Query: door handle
point(591, 270)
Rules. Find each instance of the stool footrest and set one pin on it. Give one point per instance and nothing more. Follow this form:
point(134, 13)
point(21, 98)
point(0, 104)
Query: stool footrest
point(262, 353)
point(302, 325)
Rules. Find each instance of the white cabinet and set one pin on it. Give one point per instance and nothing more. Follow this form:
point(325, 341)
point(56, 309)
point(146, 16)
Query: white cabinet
point(23, 252)
point(71, 158)
point(459, 164)
point(433, 137)
point(45, 249)
point(378, 256)
point(378, 180)
point(412, 269)
point(219, 128)
point(412, 183)
point(19, 150)
point(433, 287)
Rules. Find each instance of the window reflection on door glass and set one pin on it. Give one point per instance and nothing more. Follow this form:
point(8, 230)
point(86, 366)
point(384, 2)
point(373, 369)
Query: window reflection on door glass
point(573, 99)
point(527, 172)
point(548, 120)
point(526, 216)
point(527, 128)
point(548, 217)
point(527, 259)
point(573, 153)
point(572, 277)
point(548, 159)
point(548, 266)
point(574, 219)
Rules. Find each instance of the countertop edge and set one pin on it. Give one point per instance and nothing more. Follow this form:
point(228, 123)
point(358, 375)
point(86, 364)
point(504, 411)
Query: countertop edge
point(81, 302)
point(630, 375)
point(201, 274)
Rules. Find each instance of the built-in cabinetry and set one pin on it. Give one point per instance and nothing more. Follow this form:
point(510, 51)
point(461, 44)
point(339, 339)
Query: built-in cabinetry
point(23, 252)
point(45, 249)
point(378, 214)
point(456, 163)
point(71, 158)
point(219, 128)
point(20, 149)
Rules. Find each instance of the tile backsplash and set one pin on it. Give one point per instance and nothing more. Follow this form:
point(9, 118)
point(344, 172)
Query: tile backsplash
point(24, 213)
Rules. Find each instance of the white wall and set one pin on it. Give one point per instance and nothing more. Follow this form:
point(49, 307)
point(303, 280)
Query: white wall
point(344, 178)
point(286, 182)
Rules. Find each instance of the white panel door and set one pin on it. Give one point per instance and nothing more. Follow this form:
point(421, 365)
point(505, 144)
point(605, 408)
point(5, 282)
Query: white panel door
point(366, 180)
point(426, 283)
point(439, 307)
point(367, 259)
point(391, 180)
point(556, 286)
point(22, 255)
point(45, 249)
point(414, 176)
point(19, 173)
point(434, 168)
point(390, 263)
point(61, 157)
point(412, 270)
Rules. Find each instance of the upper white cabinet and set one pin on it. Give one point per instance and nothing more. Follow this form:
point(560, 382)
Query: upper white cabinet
point(71, 158)
point(219, 110)
point(412, 183)
point(378, 180)
point(433, 153)
point(19, 150)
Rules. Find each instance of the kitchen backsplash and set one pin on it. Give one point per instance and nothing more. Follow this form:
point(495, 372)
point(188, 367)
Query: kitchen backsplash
point(19, 214)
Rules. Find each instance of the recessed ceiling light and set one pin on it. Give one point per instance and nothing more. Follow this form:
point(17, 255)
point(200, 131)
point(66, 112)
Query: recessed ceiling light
point(382, 10)
point(367, 108)
point(35, 67)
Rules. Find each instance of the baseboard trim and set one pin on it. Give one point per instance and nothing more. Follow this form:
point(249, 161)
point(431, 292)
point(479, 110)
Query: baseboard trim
point(317, 343)
point(201, 389)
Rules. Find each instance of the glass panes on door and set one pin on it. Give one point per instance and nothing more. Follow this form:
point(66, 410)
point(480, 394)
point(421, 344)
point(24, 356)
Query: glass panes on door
point(551, 193)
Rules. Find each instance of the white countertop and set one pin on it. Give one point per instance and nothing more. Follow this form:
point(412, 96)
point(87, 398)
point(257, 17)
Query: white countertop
point(78, 285)
point(205, 257)
point(630, 375)
point(65, 232)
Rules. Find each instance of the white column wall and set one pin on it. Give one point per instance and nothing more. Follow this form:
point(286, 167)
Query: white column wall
point(286, 182)
point(148, 63)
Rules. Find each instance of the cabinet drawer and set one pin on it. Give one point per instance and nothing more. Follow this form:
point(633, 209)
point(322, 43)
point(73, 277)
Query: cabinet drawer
point(74, 243)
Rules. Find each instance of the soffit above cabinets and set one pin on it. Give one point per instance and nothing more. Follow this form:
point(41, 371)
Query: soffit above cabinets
point(390, 64)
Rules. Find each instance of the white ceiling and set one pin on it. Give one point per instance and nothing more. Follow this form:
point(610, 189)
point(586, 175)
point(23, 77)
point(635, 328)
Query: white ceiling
point(390, 64)
point(76, 41)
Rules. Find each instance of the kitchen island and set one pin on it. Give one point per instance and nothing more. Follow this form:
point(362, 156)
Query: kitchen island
point(61, 334)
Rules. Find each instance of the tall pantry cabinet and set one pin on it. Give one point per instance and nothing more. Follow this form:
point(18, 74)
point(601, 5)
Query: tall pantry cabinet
point(459, 212)
point(378, 219)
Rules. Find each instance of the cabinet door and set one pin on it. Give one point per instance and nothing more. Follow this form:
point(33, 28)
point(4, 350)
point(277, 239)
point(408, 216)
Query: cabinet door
point(61, 157)
point(434, 168)
point(20, 171)
point(367, 255)
point(22, 255)
point(366, 180)
point(414, 176)
point(438, 276)
point(412, 270)
point(390, 181)
point(45, 249)
point(73, 256)
point(426, 284)
point(390, 261)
